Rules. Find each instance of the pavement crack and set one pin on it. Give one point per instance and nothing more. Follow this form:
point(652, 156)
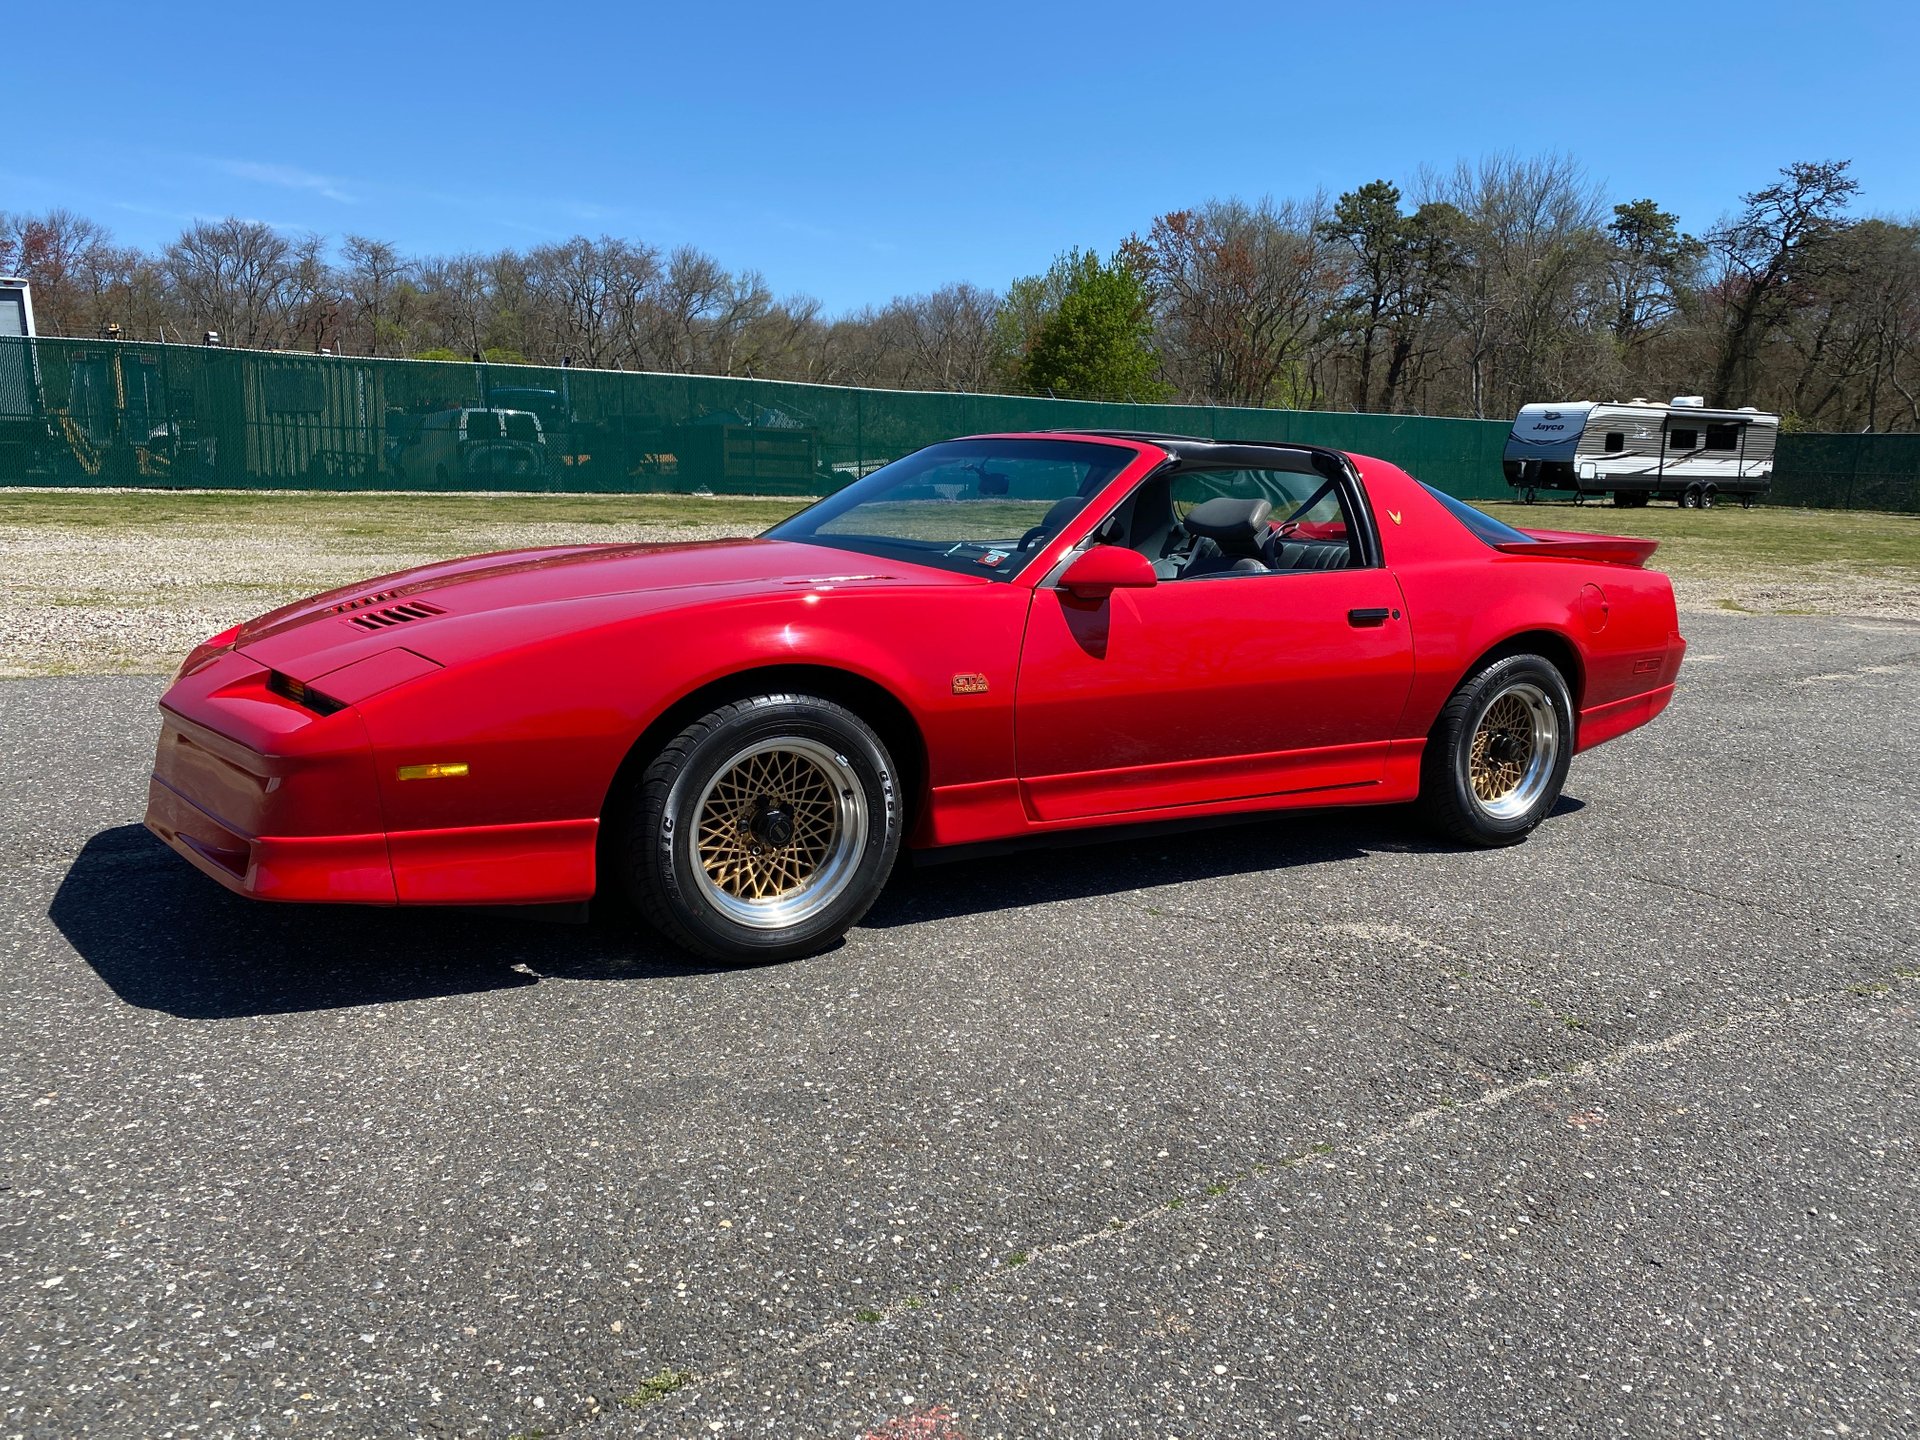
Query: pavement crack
point(1799, 916)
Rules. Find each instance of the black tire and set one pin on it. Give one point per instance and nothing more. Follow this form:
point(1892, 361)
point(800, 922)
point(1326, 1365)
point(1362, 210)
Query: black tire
point(852, 783)
point(1690, 497)
point(1622, 502)
point(1708, 496)
point(1746, 502)
point(1447, 795)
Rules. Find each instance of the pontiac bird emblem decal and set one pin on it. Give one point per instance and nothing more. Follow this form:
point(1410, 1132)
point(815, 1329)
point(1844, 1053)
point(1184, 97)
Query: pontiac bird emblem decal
point(1394, 516)
point(970, 684)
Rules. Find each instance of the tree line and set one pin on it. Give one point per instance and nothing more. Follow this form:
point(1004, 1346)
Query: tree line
point(1493, 283)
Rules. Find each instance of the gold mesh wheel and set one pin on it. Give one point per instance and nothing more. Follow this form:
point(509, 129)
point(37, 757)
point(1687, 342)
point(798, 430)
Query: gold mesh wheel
point(779, 832)
point(1516, 743)
point(1501, 748)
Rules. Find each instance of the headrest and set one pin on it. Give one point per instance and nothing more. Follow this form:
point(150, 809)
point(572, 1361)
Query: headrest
point(1227, 520)
point(1060, 512)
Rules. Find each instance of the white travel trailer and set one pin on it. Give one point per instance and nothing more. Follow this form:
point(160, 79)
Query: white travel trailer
point(1641, 449)
point(16, 308)
point(22, 418)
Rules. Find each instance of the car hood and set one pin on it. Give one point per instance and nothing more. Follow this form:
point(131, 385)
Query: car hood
point(453, 609)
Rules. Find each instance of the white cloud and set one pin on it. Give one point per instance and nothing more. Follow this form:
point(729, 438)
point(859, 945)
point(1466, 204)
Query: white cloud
point(287, 177)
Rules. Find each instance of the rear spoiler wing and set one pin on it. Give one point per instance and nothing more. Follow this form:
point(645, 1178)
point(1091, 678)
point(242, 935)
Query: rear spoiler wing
point(1574, 545)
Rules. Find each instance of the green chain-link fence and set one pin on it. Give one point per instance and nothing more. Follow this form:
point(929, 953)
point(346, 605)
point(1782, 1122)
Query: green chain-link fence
point(78, 412)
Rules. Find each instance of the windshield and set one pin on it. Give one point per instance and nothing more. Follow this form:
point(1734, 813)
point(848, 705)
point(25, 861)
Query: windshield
point(978, 507)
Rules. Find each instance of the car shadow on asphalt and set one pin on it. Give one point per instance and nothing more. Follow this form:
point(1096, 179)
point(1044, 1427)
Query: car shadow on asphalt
point(1087, 863)
point(167, 938)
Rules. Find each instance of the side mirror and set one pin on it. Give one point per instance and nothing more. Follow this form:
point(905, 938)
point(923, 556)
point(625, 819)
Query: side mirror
point(1107, 568)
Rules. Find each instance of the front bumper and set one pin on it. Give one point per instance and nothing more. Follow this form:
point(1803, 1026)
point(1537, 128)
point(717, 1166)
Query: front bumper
point(339, 868)
point(268, 799)
point(277, 802)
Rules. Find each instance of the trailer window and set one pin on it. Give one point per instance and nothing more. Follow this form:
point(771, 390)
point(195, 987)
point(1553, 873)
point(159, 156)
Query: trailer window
point(1723, 437)
point(1683, 439)
point(1616, 441)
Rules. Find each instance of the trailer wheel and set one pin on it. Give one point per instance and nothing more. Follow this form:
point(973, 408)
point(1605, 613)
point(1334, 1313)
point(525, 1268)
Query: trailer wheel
point(1708, 496)
point(1746, 502)
point(1621, 502)
point(1690, 497)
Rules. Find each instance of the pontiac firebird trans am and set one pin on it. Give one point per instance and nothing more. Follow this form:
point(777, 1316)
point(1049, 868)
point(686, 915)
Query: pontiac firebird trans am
point(993, 638)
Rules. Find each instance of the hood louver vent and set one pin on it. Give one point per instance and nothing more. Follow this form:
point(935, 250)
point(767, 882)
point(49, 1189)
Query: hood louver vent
point(393, 615)
point(364, 601)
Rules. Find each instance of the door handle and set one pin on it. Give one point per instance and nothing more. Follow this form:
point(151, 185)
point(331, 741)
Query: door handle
point(1363, 618)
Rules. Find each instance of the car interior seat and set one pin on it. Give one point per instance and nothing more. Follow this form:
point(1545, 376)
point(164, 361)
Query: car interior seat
point(1310, 555)
point(1228, 537)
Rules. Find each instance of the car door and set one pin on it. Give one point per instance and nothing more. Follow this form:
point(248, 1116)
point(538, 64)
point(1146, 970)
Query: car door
point(1214, 688)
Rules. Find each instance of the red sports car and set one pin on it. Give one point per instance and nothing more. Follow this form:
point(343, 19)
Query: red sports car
point(991, 639)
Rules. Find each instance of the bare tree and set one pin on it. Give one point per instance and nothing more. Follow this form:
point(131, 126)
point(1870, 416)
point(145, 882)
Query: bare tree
point(1532, 256)
point(309, 303)
point(1238, 290)
point(371, 276)
point(70, 262)
point(232, 275)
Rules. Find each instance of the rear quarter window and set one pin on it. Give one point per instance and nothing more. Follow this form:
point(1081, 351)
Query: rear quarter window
point(1483, 525)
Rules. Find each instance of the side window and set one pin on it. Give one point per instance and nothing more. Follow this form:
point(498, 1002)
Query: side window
point(1223, 523)
point(1723, 437)
point(1616, 441)
point(1683, 439)
point(483, 425)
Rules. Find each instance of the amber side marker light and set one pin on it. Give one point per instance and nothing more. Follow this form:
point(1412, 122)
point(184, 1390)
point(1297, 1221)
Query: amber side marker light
point(439, 770)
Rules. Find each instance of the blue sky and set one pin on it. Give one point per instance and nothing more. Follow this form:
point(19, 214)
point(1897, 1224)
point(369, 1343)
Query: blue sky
point(855, 152)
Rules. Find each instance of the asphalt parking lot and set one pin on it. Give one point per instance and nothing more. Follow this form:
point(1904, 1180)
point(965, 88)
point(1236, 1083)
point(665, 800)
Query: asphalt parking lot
point(1306, 1127)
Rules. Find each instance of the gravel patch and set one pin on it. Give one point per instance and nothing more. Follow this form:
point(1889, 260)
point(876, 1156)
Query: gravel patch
point(1803, 590)
point(82, 600)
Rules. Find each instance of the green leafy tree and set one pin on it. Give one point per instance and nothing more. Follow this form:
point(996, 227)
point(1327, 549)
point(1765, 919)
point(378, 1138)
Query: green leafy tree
point(1398, 268)
point(1650, 266)
point(1368, 223)
point(1084, 331)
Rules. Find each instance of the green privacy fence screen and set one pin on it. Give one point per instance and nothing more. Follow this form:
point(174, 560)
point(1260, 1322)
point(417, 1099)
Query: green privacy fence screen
point(1848, 472)
point(78, 412)
point(75, 412)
